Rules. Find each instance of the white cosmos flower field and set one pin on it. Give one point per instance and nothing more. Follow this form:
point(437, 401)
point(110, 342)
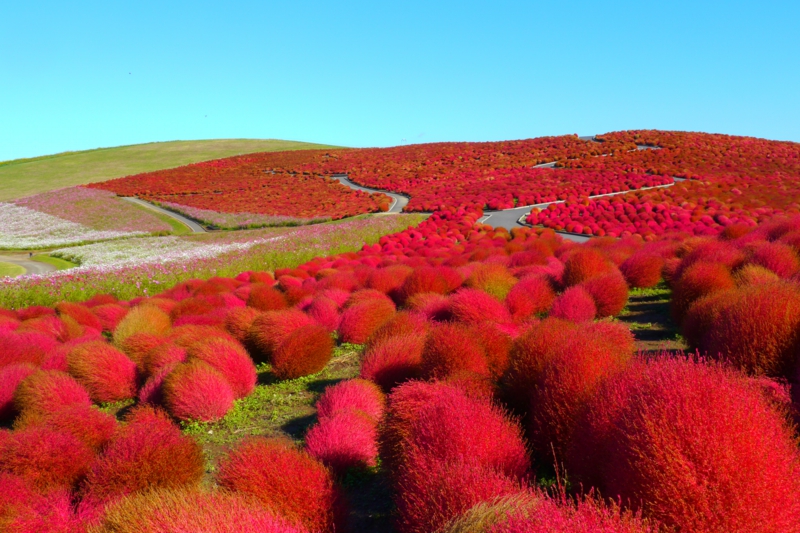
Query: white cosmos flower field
point(21, 227)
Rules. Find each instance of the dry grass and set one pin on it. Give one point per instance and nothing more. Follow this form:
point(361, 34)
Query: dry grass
point(25, 177)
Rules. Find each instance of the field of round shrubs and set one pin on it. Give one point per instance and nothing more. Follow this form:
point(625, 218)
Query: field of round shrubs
point(498, 391)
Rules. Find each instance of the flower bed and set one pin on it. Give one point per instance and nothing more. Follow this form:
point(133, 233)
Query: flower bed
point(220, 220)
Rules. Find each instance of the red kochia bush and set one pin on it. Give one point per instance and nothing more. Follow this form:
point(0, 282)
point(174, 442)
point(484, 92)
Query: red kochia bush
point(271, 328)
point(346, 439)
point(424, 279)
point(80, 313)
point(88, 424)
point(110, 315)
point(162, 356)
point(45, 458)
point(238, 321)
point(325, 312)
point(27, 347)
point(23, 510)
point(777, 257)
point(757, 329)
point(361, 320)
point(393, 360)
point(162, 510)
point(609, 292)
point(231, 360)
point(531, 296)
point(357, 394)
point(642, 270)
point(197, 391)
point(452, 348)
point(147, 452)
point(304, 352)
point(402, 323)
point(574, 304)
point(107, 373)
point(491, 278)
point(265, 298)
point(700, 279)
point(584, 264)
point(10, 378)
point(284, 479)
point(45, 391)
point(694, 445)
point(472, 306)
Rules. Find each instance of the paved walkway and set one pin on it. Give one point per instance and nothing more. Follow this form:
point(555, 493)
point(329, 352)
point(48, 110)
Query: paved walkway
point(194, 226)
point(22, 259)
point(399, 201)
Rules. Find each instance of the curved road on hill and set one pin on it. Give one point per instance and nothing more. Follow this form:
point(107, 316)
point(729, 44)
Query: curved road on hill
point(194, 226)
point(22, 259)
point(399, 201)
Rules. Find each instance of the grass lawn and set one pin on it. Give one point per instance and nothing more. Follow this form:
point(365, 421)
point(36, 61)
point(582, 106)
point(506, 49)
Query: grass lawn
point(60, 264)
point(25, 177)
point(11, 270)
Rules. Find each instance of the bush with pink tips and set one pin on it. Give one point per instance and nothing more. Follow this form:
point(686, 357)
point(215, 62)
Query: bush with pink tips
point(229, 359)
point(493, 279)
point(107, 373)
point(531, 296)
point(609, 292)
point(472, 306)
point(304, 352)
point(10, 378)
point(46, 391)
point(779, 258)
point(642, 270)
point(574, 304)
point(325, 312)
point(238, 322)
point(197, 391)
point(584, 264)
point(142, 319)
point(393, 360)
point(270, 329)
point(363, 319)
point(358, 394)
point(88, 424)
point(162, 356)
point(401, 323)
point(452, 348)
point(344, 440)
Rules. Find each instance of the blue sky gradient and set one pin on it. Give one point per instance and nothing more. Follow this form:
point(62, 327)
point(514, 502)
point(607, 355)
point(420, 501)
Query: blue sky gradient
point(80, 75)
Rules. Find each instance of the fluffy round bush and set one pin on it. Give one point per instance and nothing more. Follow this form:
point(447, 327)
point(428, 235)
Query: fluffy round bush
point(700, 279)
point(80, 313)
point(402, 323)
point(45, 458)
point(757, 329)
point(703, 314)
point(388, 280)
point(189, 334)
point(754, 275)
point(265, 298)
point(325, 312)
point(142, 319)
point(393, 360)
point(197, 391)
point(284, 479)
point(362, 320)
point(472, 306)
point(609, 292)
point(496, 344)
point(709, 250)
point(24, 510)
point(584, 264)
point(231, 360)
point(147, 452)
point(271, 328)
point(238, 321)
point(139, 345)
point(10, 378)
point(574, 304)
point(352, 394)
point(304, 352)
point(452, 348)
point(693, 445)
point(162, 356)
point(642, 270)
point(46, 391)
point(493, 279)
point(779, 258)
point(163, 510)
point(424, 279)
point(30, 347)
point(531, 296)
point(110, 315)
point(430, 306)
point(152, 391)
point(88, 424)
point(347, 439)
point(107, 373)
point(365, 295)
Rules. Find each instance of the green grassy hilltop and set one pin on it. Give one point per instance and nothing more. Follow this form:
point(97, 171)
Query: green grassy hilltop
point(25, 177)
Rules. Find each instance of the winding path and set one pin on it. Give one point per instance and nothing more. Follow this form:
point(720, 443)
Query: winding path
point(22, 259)
point(194, 226)
point(399, 201)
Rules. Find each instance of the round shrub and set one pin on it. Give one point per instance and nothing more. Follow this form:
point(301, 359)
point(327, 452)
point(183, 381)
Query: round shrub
point(709, 250)
point(393, 360)
point(304, 352)
point(162, 510)
point(80, 314)
point(452, 348)
point(45, 391)
point(152, 391)
point(754, 275)
point(196, 391)
point(493, 279)
point(424, 279)
point(531, 296)
point(703, 314)
point(700, 279)
point(104, 371)
point(609, 292)
point(779, 258)
point(574, 304)
point(584, 264)
point(642, 270)
point(162, 356)
point(138, 345)
point(402, 323)
point(238, 321)
point(347, 439)
point(229, 359)
point(325, 312)
point(271, 328)
point(110, 315)
point(189, 334)
point(471, 306)
point(265, 298)
point(284, 479)
point(25, 347)
point(88, 424)
point(142, 319)
point(24, 510)
point(352, 394)
point(10, 378)
point(147, 452)
point(361, 320)
point(388, 280)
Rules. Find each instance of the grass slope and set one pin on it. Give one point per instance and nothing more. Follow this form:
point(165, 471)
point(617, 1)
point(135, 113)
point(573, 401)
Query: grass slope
point(11, 270)
point(25, 177)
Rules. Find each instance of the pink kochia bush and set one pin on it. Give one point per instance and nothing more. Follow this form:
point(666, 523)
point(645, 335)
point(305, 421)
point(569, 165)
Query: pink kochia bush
point(694, 445)
point(107, 373)
point(197, 391)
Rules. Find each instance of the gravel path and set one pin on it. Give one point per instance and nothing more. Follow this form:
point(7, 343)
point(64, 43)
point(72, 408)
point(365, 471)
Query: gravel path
point(23, 260)
point(194, 226)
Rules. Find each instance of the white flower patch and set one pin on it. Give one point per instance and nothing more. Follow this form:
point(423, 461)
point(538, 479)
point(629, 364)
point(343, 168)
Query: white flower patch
point(21, 227)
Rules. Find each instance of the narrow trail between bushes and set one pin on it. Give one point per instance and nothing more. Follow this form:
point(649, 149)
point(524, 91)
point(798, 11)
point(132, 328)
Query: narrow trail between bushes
point(23, 260)
point(399, 201)
point(191, 224)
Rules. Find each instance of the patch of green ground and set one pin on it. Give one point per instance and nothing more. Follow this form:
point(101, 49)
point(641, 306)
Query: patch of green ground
point(25, 177)
point(10, 270)
point(178, 227)
point(647, 315)
point(60, 264)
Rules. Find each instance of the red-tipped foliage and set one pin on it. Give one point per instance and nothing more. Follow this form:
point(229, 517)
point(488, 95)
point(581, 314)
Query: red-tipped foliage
point(138, 346)
point(88, 424)
point(707, 250)
point(284, 479)
point(431, 306)
point(361, 320)
point(347, 439)
point(325, 312)
point(304, 352)
point(492, 278)
point(452, 348)
point(80, 313)
point(25, 347)
point(189, 334)
point(778, 258)
point(152, 391)
point(700, 279)
point(23, 510)
point(496, 344)
point(352, 394)
point(49, 390)
point(574, 304)
point(757, 329)
point(584, 264)
point(703, 314)
point(231, 360)
point(104, 371)
point(609, 292)
point(642, 270)
point(265, 298)
point(271, 328)
point(197, 391)
point(163, 356)
point(693, 445)
point(238, 321)
point(424, 279)
point(402, 323)
point(45, 458)
point(393, 360)
point(472, 306)
point(531, 296)
point(148, 452)
point(389, 279)
point(10, 378)
point(110, 315)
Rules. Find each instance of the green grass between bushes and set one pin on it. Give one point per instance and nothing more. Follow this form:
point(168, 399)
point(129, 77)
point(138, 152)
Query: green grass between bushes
point(25, 177)
point(11, 270)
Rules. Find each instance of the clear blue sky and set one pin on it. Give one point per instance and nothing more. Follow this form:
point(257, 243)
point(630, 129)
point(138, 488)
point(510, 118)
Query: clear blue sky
point(79, 75)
